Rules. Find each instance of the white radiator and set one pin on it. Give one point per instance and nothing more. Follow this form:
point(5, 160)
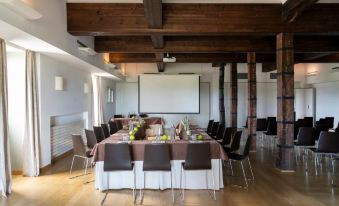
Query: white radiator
point(61, 137)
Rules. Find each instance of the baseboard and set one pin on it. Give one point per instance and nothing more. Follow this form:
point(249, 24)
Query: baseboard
point(17, 172)
point(45, 168)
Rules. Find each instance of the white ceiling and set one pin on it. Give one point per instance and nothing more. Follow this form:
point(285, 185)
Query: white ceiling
point(193, 1)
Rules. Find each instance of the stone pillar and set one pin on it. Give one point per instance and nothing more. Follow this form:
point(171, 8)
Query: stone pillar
point(285, 95)
point(252, 98)
point(234, 95)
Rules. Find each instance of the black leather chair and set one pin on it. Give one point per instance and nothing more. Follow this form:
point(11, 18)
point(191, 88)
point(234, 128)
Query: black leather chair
point(214, 129)
point(198, 157)
point(320, 128)
point(308, 122)
point(271, 133)
point(337, 129)
point(113, 127)
point(119, 124)
point(330, 121)
point(270, 119)
point(228, 135)
point(220, 131)
point(305, 140)
point(156, 158)
point(235, 145)
point(234, 157)
point(99, 133)
point(106, 130)
point(143, 115)
point(118, 116)
point(261, 124)
point(209, 126)
point(79, 150)
point(118, 158)
point(91, 139)
point(328, 145)
point(132, 115)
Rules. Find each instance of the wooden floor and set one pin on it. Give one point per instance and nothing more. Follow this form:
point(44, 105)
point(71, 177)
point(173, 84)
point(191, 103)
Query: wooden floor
point(270, 188)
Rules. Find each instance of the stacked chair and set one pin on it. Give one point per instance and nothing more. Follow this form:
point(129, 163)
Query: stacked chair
point(261, 128)
point(305, 141)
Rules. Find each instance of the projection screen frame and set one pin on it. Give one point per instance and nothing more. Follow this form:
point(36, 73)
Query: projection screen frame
point(167, 112)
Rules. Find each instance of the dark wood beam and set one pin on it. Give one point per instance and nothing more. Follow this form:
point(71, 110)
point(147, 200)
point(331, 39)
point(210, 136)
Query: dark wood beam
point(212, 44)
point(98, 19)
point(153, 14)
point(293, 8)
point(313, 56)
point(217, 59)
point(268, 67)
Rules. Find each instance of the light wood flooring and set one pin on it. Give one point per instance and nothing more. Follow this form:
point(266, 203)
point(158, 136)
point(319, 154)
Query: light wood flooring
point(271, 187)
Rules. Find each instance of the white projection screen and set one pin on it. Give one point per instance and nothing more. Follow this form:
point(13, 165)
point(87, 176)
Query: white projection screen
point(169, 94)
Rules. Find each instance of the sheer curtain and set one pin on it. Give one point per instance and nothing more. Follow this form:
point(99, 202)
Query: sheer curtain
point(97, 101)
point(5, 164)
point(31, 148)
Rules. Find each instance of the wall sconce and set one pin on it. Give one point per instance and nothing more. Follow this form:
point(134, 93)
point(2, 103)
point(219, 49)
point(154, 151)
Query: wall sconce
point(312, 73)
point(86, 88)
point(59, 83)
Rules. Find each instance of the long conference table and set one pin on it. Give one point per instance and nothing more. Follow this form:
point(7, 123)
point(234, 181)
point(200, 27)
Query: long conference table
point(158, 180)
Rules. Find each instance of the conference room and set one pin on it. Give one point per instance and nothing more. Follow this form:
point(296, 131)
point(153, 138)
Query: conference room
point(168, 102)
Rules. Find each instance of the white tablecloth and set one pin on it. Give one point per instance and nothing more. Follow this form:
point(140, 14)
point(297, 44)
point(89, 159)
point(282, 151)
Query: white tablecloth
point(158, 180)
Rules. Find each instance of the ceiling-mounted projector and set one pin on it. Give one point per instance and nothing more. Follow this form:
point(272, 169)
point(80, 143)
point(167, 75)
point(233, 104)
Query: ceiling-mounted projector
point(169, 59)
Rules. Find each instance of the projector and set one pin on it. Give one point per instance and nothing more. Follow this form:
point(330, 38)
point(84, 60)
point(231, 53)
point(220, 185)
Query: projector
point(169, 59)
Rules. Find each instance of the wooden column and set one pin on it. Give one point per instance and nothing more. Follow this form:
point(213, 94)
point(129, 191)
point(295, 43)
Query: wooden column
point(252, 98)
point(285, 92)
point(221, 93)
point(234, 95)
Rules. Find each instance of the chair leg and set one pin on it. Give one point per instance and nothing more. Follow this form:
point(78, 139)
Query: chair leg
point(213, 183)
point(103, 200)
point(134, 186)
point(315, 162)
point(142, 191)
point(86, 166)
point(249, 163)
point(182, 183)
point(70, 171)
point(333, 172)
point(231, 167)
point(243, 171)
point(172, 189)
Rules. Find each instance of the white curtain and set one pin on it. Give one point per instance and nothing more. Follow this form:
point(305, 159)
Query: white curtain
point(31, 146)
point(5, 164)
point(97, 101)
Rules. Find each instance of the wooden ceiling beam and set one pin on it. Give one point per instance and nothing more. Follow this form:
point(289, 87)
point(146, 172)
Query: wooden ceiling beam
point(153, 14)
point(214, 44)
point(268, 67)
point(99, 19)
point(293, 8)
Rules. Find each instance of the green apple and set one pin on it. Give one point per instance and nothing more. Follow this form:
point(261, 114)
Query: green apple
point(132, 137)
point(135, 129)
point(131, 133)
point(164, 137)
point(200, 137)
point(138, 125)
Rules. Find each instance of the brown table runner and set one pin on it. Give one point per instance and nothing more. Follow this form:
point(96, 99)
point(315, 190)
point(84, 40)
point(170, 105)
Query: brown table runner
point(178, 147)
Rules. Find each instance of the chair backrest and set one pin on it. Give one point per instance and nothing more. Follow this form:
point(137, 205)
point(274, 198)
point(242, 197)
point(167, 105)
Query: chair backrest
point(99, 133)
point(78, 145)
point(308, 122)
point(209, 126)
point(117, 157)
point(113, 127)
point(143, 115)
point(270, 119)
point(306, 136)
point(236, 141)
point(328, 142)
point(261, 124)
point(119, 124)
point(272, 128)
point(105, 129)
point(247, 146)
point(320, 128)
point(118, 116)
point(132, 115)
point(157, 157)
point(330, 121)
point(91, 139)
point(220, 131)
point(198, 156)
point(337, 129)
point(228, 134)
point(214, 129)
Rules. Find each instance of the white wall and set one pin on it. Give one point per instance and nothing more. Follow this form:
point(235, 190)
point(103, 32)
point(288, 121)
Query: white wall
point(108, 108)
point(67, 103)
point(16, 106)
